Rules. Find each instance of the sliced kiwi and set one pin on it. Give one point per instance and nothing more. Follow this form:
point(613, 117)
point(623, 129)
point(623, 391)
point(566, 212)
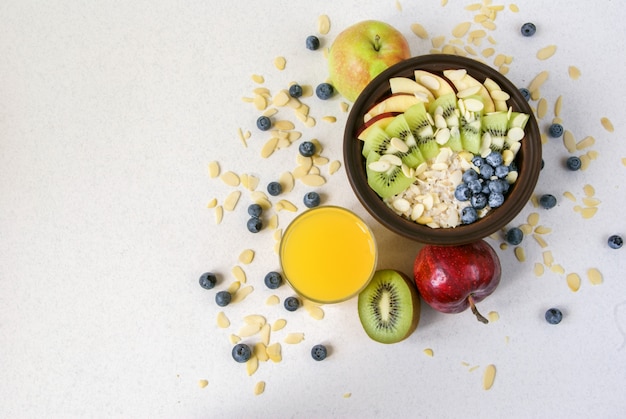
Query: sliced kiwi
point(421, 126)
point(399, 128)
point(494, 126)
point(377, 140)
point(389, 307)
point(446, 117)
point(471, 126)
point(387, 182)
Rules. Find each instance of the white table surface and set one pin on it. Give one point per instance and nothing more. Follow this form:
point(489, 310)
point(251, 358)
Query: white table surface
point(109, 115)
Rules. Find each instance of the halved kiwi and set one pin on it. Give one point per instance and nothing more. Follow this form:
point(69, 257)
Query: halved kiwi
point(389, 307)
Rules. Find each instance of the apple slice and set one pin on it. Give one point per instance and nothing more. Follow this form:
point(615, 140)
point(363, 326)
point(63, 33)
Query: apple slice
point(436, 84)
point(407, 85)
point(398, 102)
point(462, 81)
point(497, 95)
point(380, 121)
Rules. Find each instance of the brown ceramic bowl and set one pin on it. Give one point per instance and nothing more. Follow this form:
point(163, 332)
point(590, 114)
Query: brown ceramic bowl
point(528, 158)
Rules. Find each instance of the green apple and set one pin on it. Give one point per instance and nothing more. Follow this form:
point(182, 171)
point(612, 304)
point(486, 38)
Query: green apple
point(361, 52)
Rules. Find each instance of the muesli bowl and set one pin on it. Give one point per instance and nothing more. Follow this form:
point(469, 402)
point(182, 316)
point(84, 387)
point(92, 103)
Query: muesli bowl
point(526, 163)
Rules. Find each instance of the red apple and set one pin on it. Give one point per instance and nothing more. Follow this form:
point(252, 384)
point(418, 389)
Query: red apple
point(361, 52)
point(452, 278)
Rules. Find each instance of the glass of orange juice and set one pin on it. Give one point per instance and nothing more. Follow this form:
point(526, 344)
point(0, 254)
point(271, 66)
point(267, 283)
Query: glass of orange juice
point(328, 254)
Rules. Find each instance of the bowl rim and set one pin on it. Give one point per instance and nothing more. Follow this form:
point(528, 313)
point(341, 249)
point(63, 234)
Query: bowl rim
point(523, 188)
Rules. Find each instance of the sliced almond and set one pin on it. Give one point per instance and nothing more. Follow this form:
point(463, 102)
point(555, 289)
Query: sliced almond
point(231, 200)
point(607, 124)
point(230, 178)
point(255, 319)
point(489, 376)
point(461, 29)
point(278, 325)
point(242, 293)
point(239, 274)
point(323, 24)
point(573, 281)
point(274, 351)
point(280, 63)
point(252, 365)
point(272, 300)
point(269, 147)
point(233, 287)
point(419, 30)
point(294, 338)
point(265, 334)
point(546, 52)
point(313, 180)
point(219, 214)
point(594, 276)
point(538, 81)
point(214, 169)
point(249, 330)
point(222, 320)
point(288, 206)
point(246, 256)
point(259, 388)
point(212, 203)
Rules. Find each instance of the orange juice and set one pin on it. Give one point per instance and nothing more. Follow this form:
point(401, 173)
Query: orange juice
point(328, 254)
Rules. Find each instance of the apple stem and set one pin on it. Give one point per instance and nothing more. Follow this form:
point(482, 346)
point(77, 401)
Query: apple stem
point(377, 43)
point(479, 316)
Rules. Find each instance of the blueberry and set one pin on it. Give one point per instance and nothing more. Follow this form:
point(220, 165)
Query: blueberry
point(514, 236)
point(241, 352)
point(254, 225)
point(274, 188)
point(208, 280)
point(494, 159)
point(495, 199)
point(573, 163)
point(312, 42)
point(547, 201)
point(307, 148)
point(295, 90)
point(486, 171)
point(542, 164)
point(528, 29)
point(486, 189)
point(498, 186)
point(469, 175)
point(501, 171)
point(555, 130)
point(255, 210)
point(479, 200)
point(468, 215)
point(554, 316)
point(264, 123)
point(291, 303)
point(478, 161)
point(615, 241)
point(462, 192)
point(273, 280)
point(311, 199)
point(319, 352)
point(223, 298)
point(475, 186)
point(324, 91)
point(525, 93)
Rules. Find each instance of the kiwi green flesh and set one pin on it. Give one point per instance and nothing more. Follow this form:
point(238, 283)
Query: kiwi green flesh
point(386, 184)
point(377, 140)
point(417, 118)
point(389, 307)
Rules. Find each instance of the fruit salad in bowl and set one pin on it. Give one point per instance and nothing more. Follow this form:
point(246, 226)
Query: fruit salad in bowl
point(442, 149)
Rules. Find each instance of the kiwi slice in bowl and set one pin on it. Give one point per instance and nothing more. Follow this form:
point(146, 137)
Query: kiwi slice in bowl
point(389, 307)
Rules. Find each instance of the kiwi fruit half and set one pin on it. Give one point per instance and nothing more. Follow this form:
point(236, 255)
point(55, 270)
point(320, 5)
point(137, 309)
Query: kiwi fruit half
point(389, 307)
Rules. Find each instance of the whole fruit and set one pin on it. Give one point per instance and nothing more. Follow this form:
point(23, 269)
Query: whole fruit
point(361, 52)
point(452, 278)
